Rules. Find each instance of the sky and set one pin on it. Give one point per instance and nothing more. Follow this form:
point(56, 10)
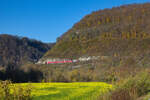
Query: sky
point(46, 20)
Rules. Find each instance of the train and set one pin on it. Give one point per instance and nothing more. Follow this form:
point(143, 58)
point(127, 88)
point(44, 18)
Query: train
point(61, 62)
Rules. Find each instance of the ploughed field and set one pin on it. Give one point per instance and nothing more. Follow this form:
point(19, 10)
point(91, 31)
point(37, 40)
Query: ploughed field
point(67, 91)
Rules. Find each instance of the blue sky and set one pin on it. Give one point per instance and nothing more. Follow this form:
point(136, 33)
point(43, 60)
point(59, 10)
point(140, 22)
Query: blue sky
point(45, 20)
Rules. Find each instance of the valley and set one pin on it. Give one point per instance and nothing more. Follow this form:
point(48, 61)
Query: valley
point(104, 56)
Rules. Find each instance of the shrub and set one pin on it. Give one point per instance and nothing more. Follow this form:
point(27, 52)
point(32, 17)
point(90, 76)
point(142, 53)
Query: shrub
point(121, 94)
point(130, 88)
point(8, 91)
point(139, 83)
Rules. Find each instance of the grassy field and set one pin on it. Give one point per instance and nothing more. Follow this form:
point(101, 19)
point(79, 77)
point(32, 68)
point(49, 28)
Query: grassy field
point(67, 91)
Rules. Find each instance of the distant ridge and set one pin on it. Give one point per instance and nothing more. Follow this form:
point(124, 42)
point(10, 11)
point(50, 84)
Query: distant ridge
point(15, 50)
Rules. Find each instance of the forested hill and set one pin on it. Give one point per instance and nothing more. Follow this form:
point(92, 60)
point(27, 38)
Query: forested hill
point(19, 50)
point(120, 31)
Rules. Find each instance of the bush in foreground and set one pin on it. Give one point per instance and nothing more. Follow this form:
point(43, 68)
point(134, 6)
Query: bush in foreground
point(9, 91)
point(130, 88)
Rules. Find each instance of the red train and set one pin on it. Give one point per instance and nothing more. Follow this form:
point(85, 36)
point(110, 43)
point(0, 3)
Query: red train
point(61, 62)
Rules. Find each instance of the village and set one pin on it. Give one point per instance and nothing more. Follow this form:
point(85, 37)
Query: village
point(67, 60)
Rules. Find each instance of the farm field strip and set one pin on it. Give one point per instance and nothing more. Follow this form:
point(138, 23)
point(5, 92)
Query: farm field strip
point(67, 91)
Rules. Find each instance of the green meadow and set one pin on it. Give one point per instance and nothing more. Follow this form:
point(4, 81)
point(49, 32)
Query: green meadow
point(67, 91)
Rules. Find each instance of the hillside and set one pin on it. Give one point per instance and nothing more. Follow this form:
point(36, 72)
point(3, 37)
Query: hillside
point(121, 31)
point(19, 50)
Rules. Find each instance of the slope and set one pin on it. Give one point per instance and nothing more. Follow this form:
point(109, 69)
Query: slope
point(118, 31)
point(19, 50)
